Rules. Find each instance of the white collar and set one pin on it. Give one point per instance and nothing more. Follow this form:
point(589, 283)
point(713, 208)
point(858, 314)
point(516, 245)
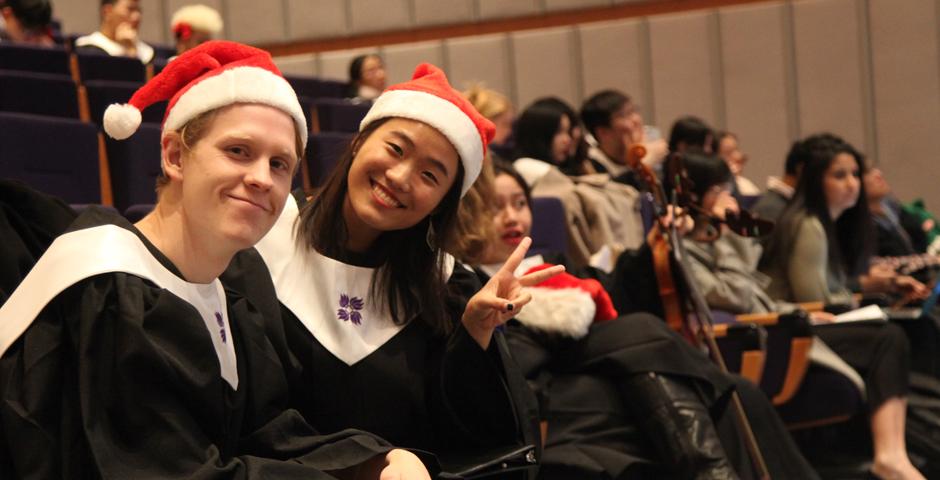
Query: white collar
point(330, 298)
point(524, 266)
point(98, 39)
point(84, 253)
point(532, 170)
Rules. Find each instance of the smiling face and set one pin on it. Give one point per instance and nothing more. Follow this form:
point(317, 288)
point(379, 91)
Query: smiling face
point(512, 220)
point(841, 184)
point(398, 177)
point(235, 180)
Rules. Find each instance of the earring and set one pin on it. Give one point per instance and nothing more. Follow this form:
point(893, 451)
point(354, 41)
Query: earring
point(429, 238)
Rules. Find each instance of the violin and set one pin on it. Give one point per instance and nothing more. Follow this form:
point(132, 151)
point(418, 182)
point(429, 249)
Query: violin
point(688, 314)
point(741, 222)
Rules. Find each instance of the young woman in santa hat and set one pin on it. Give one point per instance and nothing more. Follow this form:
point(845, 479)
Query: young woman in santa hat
point(623, 395)
point(374, 308)
point(124, 355)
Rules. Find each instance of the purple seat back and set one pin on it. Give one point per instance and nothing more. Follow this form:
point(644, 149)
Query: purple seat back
point(29, 58)
point(135, 213)
point(313, 87)
point(38, 94)
point(336, 115)
point(323, 153)
point(135, 166)
point(549, 230)
point(95, 66)
point(66, 167)
point(102, 93)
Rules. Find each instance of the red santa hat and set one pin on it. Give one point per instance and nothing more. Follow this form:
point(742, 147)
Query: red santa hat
point(566, 305)
point(210, 76)
point(429, 98)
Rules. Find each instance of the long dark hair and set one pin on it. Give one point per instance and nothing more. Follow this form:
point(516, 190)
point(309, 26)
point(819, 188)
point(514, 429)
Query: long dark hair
point(704, 170)
point(849, 238)
point(536, 127)
point(410, 282)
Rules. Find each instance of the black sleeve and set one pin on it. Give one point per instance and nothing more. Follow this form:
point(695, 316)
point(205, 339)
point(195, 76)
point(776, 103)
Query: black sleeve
point(29, 222)
point(469, 393)
point(481, 393)
point(632, 285)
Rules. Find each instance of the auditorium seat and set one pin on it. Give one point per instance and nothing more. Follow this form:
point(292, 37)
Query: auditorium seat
point(58, 156)
point(102, 93)
point(337, 115)
point(323, 153)
point(38, 94)
point(135, 165)
point(549, 232)
point(313, 87)
point(135, 213)
point(28, 58)
point(98, 66)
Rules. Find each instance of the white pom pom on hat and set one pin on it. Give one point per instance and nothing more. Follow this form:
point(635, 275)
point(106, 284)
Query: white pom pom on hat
point(213, 75)
point(121, 120)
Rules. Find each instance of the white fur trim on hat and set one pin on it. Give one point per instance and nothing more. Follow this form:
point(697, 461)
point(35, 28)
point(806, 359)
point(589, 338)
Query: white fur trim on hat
point(237, 85)
point(565, 311)
point(439, 113)
point(121, 120)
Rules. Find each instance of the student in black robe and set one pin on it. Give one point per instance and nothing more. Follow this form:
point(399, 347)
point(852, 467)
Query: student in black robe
point(373, 307)
point(124, 357)
point(614, 386)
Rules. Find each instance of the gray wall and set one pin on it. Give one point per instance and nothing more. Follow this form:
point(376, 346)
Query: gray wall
point(868, 70)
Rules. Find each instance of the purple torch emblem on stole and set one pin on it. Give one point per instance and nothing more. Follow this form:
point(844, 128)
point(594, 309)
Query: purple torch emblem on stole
point(349, 309)
point(218, 320)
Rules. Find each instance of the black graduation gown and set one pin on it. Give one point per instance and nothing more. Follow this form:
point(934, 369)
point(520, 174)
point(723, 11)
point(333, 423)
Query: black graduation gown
point(118, 378)
point(441, 394)
point(29, 222)
point(592, 432)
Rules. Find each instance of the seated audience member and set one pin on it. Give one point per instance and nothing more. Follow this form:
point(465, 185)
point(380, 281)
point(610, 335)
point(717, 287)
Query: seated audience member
point(780, 189)
point(372, 305)
point(497, 109)
point(26, 22)
point(194, 25)
point(118, 33)
point(123, 355)
point(615, 123)
point(690, 133)
point(821, 246)
point(366, 77)
point(623, 395)
point(899, 233)
point(576, 153)
point(725, 270)
point(726, 145)
point(599, 212)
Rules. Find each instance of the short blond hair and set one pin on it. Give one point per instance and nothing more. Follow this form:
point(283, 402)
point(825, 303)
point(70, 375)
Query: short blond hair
point(488, 102)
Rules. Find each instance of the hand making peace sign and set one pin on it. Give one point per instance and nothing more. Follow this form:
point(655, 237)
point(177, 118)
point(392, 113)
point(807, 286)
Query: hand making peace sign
point(503, 296)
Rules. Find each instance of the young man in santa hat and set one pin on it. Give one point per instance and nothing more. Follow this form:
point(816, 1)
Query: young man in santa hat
point(122, 354)
point(373, 306)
